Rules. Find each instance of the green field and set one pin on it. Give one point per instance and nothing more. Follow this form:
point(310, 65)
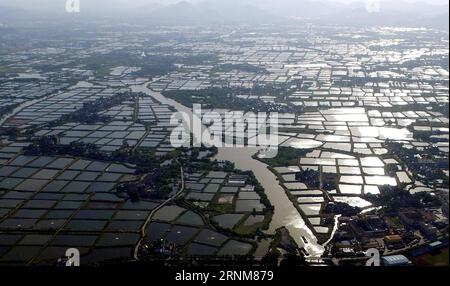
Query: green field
point(287, 156)
point(4, 69)
point(432, 259)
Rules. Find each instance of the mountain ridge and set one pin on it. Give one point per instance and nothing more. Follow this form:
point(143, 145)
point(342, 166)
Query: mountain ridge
point(207, 12)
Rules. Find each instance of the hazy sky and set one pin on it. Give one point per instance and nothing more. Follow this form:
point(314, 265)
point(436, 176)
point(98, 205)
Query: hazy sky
point(28, 3)
point(426, 1)
point(52, 5)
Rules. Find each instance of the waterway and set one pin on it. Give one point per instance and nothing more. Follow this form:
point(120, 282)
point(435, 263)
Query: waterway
point(285, 213)
point(22, 106)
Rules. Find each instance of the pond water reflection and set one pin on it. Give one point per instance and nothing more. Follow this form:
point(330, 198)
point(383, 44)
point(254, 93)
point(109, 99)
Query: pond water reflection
point(285, 213)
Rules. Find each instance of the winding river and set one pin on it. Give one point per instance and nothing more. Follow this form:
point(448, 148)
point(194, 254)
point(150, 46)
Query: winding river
point(285, 213)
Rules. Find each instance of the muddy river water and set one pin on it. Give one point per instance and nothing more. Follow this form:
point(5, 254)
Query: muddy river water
point(285, 213)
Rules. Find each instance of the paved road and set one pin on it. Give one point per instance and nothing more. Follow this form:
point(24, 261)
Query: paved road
point(149, 218)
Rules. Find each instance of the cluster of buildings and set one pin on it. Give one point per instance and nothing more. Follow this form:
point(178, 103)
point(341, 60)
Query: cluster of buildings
point(390, 233)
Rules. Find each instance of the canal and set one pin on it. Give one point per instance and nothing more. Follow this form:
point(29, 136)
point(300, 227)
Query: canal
point(285, 213)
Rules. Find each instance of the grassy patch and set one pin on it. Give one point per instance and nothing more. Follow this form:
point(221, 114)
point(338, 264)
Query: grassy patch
point(220, 208)
point(434, 259)
point(287, 156)
point(225, 98)
point(4, 69)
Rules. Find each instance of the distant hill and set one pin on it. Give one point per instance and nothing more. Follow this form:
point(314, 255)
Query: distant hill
point(299, 8)
point(9, 13)
point(396, 13)
point(212, 12)
point(440, 21)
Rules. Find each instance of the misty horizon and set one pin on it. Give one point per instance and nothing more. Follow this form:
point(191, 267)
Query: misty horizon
point(407, 13)
point(104, 5)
